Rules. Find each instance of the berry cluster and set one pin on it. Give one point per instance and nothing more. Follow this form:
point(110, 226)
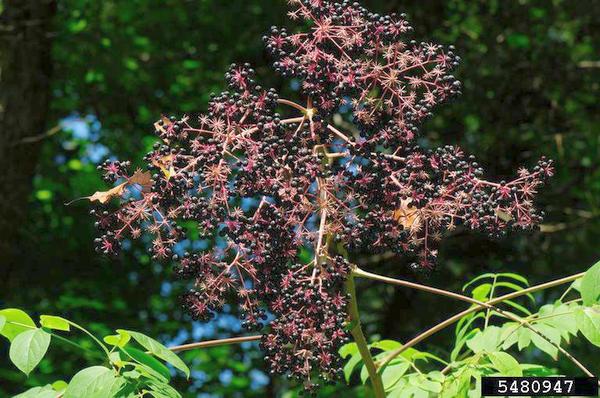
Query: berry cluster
point(363, 58)
point(428, 192)
point(112, 170)
point(263, 183)
point(308, 330)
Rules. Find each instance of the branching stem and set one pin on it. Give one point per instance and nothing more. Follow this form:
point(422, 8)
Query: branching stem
point(213, 343)
point(488, 305)
point(455, 318)
point(361, 342)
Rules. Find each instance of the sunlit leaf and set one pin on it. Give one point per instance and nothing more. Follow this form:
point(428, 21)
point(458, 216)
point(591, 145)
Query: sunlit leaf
point(393, 373)
point(28, 349)
point(120, 340)
point(588, 322)
point(17, 321)
point(94, 382)
point(39, 392)
point(159, 350)
point(514, 276)
point(488, 340)
point(547, 343)
point(505, 364)
point(54, 322)
point(478, 278)
point(590, 285)
point(148, 361)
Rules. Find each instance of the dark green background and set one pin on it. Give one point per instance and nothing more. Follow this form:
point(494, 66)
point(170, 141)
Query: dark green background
point(531, 75)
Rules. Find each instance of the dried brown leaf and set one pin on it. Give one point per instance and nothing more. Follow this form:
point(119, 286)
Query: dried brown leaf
point(140, 177)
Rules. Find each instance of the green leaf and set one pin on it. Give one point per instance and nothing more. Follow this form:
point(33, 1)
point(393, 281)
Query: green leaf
point(482, 292)
point(350, 365)
point(509, 334)
point(2, 322)
point(524, 338)
point(364, 374)
point(536, 370)
point(588, 322)
point(399, 389)
point(59, 385)
point(450, 389)
point(488, 340)
point(15, 318)
point(466, 322)
point(348, 349)
point(518, 307)
point(28, 349)
point(540, 342)
point(393, 373)
point(386, 345)
point(162, 352)
point(505, 364)
point(162, 390)
point(427, 355)
point(94, 382)
point(516, 288)
point(148, 361)
point(436, 375)
point(55, 322)
point(514, 276)
point(429, 385)
point(460, 343)
point(577, 285)
point(480, 277)
point(590, 285)
point(561, 317)
point(39, 392)
point(120, 340)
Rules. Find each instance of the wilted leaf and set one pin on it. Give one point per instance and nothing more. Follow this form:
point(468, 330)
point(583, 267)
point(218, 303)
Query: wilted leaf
point(143, 178)
point(406, 215)
point(504, 216)
point(165, 164)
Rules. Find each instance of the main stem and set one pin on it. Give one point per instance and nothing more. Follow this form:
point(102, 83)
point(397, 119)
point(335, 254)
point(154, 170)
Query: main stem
point(361, 342)
point(356, 330)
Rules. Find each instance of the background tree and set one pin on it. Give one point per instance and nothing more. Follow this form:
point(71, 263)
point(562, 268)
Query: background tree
point(25, 65)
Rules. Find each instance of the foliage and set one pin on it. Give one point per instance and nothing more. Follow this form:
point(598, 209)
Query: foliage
point(481, 347)
point(129, 364)
point(487, 341)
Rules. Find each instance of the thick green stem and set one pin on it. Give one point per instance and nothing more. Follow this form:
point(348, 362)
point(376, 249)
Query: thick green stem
point(361, 342)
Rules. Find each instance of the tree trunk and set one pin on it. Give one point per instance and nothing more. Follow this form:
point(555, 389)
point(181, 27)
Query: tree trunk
point(25, 67)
